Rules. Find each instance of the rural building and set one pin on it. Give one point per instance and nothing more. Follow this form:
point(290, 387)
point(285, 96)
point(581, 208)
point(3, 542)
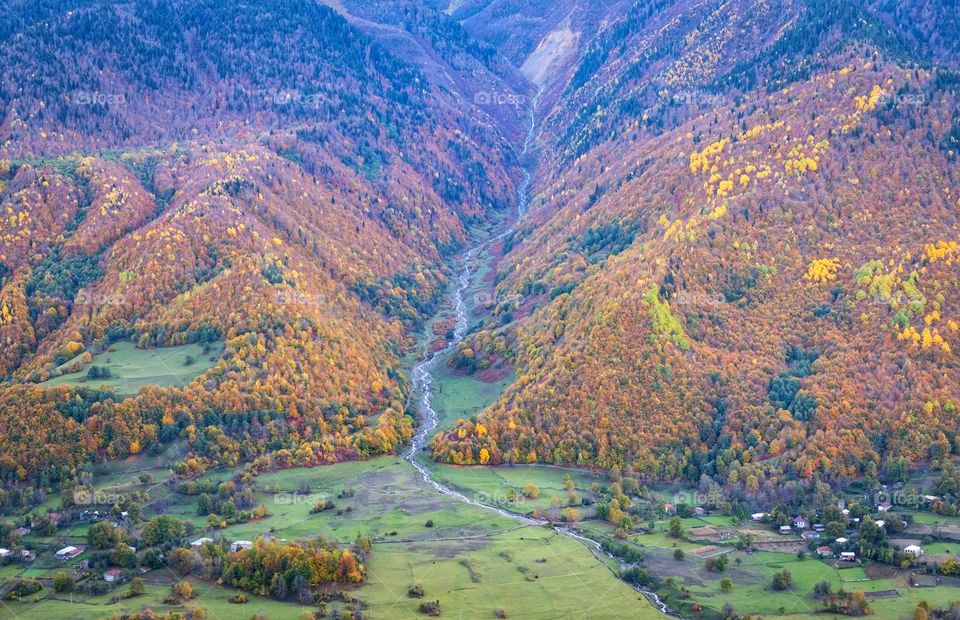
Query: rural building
point(913, 550)
point(237, 545)
point(824, 552)
point(810, 535)
point(201, 541)
point(848, 556)
point(785, 529)
point(758, 516)
point(27, 556)
point(111, 575)
point(68, 553)
point(5, 553)
point(800, 523)
point(842, 541)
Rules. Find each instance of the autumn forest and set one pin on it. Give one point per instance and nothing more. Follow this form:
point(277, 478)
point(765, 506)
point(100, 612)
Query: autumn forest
point(632, 249)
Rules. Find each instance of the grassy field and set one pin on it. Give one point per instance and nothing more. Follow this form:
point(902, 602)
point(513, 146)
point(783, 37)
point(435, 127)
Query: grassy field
point(459, 397)
point(132, 368)
point(929, 518)
point(214, 599)
point(493, 485)
point(528, 573)
point(472, 560)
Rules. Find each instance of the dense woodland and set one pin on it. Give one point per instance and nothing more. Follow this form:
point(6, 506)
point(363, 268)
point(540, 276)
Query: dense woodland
point(739, 264)
point(183, 179)
point(744, 274)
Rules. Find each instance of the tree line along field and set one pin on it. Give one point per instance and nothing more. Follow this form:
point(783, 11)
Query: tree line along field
point(469, 559)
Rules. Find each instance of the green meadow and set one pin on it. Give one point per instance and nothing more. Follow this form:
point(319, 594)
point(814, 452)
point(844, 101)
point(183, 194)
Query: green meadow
point(131, 368)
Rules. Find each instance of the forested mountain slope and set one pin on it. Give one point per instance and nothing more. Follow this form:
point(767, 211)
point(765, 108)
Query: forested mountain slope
point(741, 258)
point(188, 171)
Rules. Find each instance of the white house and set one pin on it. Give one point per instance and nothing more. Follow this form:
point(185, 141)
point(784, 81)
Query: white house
point(68, 553)
point(785, 529)
point(5, 553)
point(111, 575)
point(201, 541)
point(237, 545)
point(848, 556)
point(800, 523)
point(881, 523)
point(913, 550)
point(758, 516)
point(842, 541)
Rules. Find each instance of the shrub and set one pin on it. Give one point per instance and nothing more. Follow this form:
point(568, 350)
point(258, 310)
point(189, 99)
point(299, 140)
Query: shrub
point(782, 580)
point(62, 582)
point(136, 587)
point(430, 608)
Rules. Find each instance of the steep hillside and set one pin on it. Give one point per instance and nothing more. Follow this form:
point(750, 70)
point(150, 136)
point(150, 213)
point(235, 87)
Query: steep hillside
point(741, 258)
point(470, 73)
point(261, 174)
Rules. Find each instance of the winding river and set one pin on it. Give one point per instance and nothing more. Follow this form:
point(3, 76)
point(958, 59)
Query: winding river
point(423, 372)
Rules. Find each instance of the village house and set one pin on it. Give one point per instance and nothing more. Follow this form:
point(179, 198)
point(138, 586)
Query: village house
point(848, 556)
point(112, 575)
point(824, 551)
point(810, 535)
point(785, 529)
point(800, 523)
point(913, 550)
point(69, 553)
point(5, 553)
point(201, 541)
point(758, 516)
point(237, 545)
